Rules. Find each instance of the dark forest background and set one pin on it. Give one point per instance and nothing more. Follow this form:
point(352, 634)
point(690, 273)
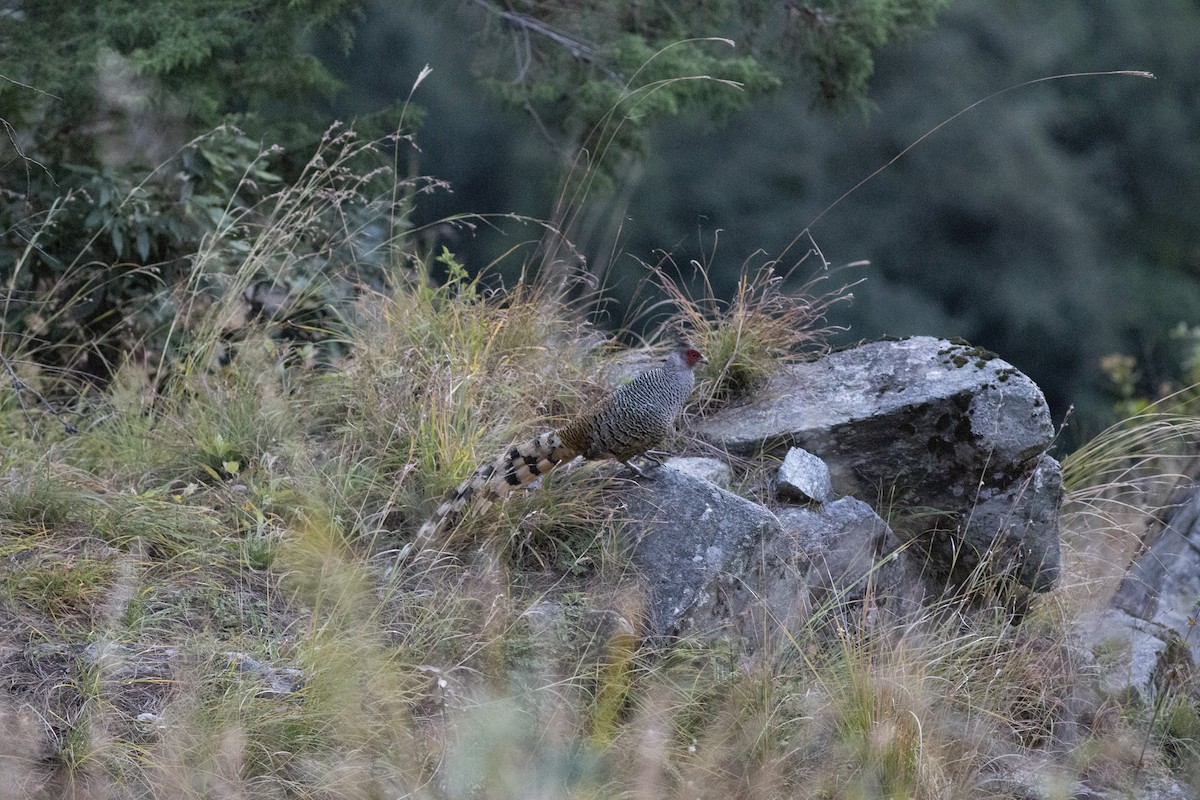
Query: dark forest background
point(1056, 224)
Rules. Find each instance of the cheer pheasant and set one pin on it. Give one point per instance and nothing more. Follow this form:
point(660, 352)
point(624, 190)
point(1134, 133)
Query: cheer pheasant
point(634, 418)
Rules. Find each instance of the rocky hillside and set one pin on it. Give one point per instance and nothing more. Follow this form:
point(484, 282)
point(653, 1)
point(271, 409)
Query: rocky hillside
point(864, 574)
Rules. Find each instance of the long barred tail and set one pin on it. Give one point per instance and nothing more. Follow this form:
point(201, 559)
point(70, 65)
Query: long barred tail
point(519, 465)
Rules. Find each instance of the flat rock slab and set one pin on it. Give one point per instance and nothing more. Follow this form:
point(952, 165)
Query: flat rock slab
point(709, 469)
point(827, 406)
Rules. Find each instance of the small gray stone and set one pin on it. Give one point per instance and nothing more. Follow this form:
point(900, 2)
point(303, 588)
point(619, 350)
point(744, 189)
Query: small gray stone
point(804, 477)
point(279, 681)
point(566, 637)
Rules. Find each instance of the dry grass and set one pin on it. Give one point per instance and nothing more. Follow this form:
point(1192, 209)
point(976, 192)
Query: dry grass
point(432, 682)
point(254, 509)
point(771, 318)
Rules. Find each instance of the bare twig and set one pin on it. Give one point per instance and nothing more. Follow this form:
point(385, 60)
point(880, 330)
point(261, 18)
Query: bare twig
point(577, 48)
point(1136, 73)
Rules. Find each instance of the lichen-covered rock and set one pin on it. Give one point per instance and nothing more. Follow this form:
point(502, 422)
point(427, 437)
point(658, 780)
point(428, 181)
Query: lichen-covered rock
point(924, 425)
point(1017, 526)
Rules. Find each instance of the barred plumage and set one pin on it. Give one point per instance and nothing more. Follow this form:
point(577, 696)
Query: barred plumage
point(634, 418)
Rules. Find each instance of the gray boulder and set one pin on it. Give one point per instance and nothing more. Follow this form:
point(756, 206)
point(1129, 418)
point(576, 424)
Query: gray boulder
point(715, 565)
point(853, 564)
point(1133, 656)
point(1163, 585)
point(693, 544)
point(1146, 640)
point(949, 433)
